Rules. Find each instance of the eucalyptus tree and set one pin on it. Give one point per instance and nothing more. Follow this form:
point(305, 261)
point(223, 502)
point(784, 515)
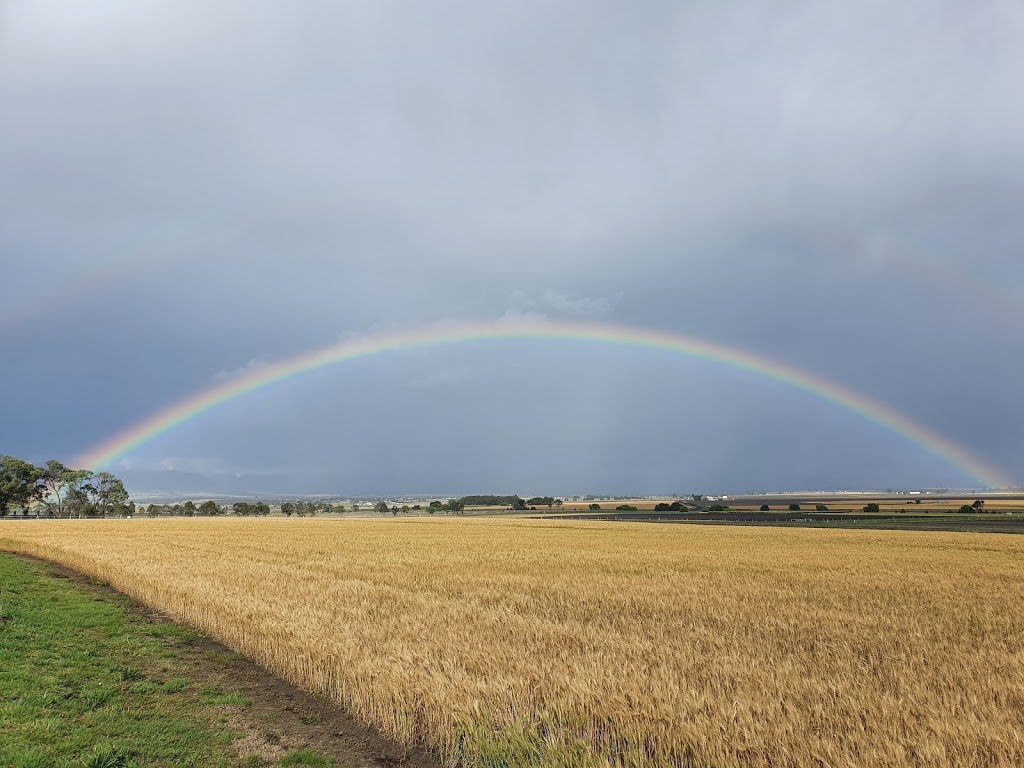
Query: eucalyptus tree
point(209, 508)
point(57, 483)
point(97, 494)
point(18, 483)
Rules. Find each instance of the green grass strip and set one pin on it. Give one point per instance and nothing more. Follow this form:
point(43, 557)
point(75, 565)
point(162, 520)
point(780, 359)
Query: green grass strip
point(86, 684)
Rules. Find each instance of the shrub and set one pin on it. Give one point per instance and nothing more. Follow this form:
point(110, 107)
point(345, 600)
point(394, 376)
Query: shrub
point(675, 506)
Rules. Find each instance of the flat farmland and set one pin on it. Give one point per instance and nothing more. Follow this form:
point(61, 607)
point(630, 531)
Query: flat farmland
point(849, 502)
point(579, 643)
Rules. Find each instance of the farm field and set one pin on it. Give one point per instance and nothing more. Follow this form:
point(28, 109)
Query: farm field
point(926, 521)
point(92, 679)
point(581, 643)
point(1002, 513)
point(847, 502)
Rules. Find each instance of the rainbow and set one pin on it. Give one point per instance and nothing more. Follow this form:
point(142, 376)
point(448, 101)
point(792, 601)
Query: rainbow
point(118, 446)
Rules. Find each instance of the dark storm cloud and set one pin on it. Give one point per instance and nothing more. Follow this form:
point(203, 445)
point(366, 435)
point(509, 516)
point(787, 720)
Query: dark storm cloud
point(186, 188)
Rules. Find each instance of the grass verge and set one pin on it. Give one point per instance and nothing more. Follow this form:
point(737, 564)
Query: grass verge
point(87, 683)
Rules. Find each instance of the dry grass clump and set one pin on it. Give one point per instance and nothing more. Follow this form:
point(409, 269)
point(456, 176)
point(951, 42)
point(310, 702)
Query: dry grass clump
point(518, 642)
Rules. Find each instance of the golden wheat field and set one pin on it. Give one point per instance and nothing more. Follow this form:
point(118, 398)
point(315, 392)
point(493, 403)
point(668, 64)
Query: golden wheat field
point(519, 642)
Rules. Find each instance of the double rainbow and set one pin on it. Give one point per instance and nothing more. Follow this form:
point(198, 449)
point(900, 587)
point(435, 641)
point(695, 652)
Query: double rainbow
point(118, 446)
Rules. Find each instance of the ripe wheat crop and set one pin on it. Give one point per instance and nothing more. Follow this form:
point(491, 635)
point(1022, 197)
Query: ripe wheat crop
point(519, 642)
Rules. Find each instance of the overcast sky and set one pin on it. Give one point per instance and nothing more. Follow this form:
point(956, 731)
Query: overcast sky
point(191, 188)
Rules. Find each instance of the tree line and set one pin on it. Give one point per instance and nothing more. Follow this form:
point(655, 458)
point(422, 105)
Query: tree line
point(289, 508)
point(54, 490)
point(207, 508)
point(515, 501)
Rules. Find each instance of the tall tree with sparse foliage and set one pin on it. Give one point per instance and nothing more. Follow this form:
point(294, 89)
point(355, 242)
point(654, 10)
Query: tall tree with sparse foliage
point(57, 483)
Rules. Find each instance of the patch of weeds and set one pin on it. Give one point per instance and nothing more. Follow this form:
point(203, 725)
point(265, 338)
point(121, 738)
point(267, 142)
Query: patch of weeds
point(230, 700)
point(63, 691)
point(211, 694)
point(108, 758)
point(304, 757)
point(144, 687)
point(14, 709)
point(96, 698)
point(130, 674)
point(46, 726)
point(30, 758)
point(177, 685)
point(133, 644)
point(522, 745)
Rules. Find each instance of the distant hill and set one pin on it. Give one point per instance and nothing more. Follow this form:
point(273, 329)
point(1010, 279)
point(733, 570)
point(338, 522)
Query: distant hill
point(146, 482)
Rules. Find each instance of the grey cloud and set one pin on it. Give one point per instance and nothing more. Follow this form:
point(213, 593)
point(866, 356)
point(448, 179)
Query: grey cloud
point(187, 187)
